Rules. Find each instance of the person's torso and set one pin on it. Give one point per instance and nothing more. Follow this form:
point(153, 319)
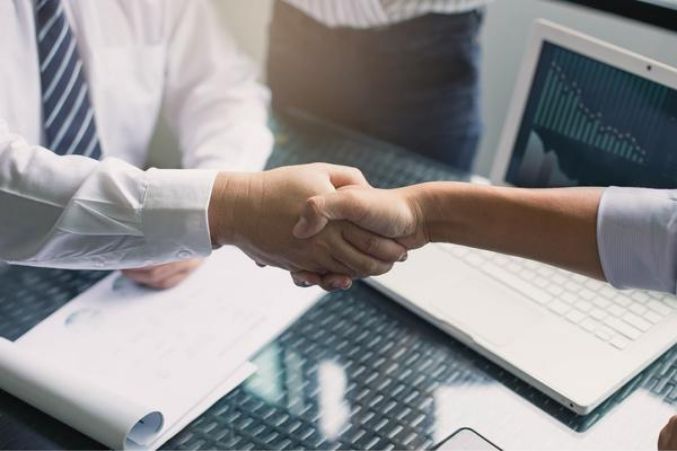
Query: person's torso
point(122, 45)
point(378, 13)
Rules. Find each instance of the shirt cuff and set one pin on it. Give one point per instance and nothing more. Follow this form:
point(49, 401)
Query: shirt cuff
point(175, 212)
point(635, 238)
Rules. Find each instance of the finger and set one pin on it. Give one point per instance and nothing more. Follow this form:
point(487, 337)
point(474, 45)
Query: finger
point(153, 280)
point(332, 282)
point(345, 175)
point(326, 262)
point(336, 282)
point(306, 279)
point(319, 210)
point(362, 265)
point(376, 246)
point(154, 272)
point(171, 281)
point(134, 271)
point(154, 275)
point(146, 277)
point(135, 276)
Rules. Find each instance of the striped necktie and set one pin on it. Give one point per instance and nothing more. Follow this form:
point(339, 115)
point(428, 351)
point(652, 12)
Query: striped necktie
point(68, 115)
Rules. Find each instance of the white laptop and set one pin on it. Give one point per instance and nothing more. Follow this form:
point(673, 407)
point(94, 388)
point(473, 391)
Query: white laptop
point(584, 113)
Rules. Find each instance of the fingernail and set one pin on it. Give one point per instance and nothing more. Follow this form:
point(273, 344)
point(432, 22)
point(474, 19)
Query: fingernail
point(404, 257)
point(345, 285)
point(336, 286)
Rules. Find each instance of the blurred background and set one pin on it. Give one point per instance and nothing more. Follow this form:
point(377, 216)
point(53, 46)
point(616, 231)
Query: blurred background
point(506, 29)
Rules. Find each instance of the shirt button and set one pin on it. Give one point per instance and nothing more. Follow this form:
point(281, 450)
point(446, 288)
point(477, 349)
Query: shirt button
point(184, 254)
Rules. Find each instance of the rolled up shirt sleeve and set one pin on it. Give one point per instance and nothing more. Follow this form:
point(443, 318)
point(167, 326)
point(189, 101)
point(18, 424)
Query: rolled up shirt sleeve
point(637, 238)
point(75, 212)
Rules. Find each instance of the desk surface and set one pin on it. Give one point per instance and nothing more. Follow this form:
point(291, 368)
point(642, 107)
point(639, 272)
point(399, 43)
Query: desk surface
point(356, 371)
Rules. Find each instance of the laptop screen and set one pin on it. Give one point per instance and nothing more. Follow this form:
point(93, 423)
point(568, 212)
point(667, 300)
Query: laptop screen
point(591, 124)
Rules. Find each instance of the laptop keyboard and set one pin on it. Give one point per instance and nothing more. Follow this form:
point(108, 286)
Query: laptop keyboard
point(612, 316)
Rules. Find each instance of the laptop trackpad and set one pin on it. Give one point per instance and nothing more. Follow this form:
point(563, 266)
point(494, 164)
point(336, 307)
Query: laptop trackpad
point(486, 310)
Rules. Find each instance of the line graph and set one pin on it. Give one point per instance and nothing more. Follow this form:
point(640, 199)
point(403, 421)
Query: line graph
point(592, 123)
point(563, 109)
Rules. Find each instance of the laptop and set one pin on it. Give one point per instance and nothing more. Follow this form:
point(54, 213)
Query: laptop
point(583, 113)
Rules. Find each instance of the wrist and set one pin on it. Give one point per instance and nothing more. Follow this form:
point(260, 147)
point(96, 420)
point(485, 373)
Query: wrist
point(439, 206)
point(232, 197)
point(419, 203)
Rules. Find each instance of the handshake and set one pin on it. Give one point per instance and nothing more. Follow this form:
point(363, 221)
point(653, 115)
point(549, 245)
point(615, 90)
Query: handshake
point(321, 222)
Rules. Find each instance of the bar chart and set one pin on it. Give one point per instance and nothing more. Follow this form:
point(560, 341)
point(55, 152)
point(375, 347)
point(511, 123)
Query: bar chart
point(562, 109)
point(591, 123)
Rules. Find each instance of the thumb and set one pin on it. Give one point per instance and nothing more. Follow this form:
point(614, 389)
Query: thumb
point(319, 210)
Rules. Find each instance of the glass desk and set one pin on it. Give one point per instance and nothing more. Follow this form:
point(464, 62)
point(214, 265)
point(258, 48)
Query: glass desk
point(357, 370)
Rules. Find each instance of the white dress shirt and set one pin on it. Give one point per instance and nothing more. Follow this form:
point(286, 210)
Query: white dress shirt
point(139, 56)
point(378, 13)
point(637, 238)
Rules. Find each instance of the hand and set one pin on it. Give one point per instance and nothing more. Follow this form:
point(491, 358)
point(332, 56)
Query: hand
point(390, 213)
point(257, 212)
point(667, 440)
point(165, 276)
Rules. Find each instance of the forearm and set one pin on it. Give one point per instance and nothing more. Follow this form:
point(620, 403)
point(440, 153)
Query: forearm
point(555, 226)
point(75, 212)
point(233, 193)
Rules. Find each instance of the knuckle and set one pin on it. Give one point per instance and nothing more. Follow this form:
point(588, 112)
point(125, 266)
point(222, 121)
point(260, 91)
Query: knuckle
point(355, 172)
point(348, 271)
point(369, 267)
point(372, 244)
point(314, 206)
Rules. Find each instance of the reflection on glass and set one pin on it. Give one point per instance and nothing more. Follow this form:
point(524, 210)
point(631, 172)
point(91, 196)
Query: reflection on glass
point(267, 383)
point(293, 364)
point(279, 379)
point(334, 411)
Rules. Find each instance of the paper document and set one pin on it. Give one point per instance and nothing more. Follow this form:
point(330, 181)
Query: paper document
point(168, 354)
point(89, 406)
